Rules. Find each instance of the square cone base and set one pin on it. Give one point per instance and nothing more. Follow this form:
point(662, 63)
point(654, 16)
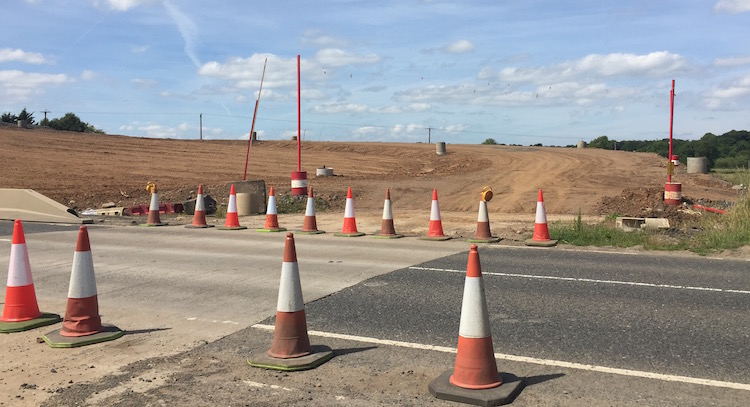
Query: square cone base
point(496, 396)
point(340, 234)
point(493, 239)
point(434, 238)
point(319, 354)
point(316, 232)
point(154, 224)
point(44, 320)
point(199, 227)
point(271, 230)
point(231, 227)
point(540, 243)
point(396, 236)
point(108, 333)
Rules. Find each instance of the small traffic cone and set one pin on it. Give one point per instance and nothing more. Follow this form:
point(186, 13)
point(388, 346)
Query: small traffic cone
point(350, 222)
point(21, 311)
point(541, 232)
point(233, 221)
point(153, 209)
point(199, 217)
point(310, 225)
point(82, 324)
point(475, 379)
point(272, 219)
point(290, 349)
point(387, 231)
point(435, 231)
point(483, 234)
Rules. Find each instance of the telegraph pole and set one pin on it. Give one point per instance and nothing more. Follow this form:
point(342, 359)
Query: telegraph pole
point(45, 111)
point(201, 126)
point(429, 134)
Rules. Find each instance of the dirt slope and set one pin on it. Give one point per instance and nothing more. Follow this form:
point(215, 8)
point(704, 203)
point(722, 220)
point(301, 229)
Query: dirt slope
point(86, 170)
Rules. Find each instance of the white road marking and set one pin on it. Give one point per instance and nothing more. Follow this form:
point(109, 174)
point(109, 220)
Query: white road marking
point(537, 361)
point(269, 386)
point(212, 321)
point(591, 280)
point(6, 240)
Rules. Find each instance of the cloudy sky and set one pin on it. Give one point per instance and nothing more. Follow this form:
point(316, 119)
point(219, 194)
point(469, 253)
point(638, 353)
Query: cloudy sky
point(523, 72)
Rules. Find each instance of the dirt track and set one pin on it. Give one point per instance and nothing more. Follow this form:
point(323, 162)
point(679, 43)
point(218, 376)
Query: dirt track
point(86, 170)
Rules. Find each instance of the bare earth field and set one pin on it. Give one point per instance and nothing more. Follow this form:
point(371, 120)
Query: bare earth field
point(86, 170)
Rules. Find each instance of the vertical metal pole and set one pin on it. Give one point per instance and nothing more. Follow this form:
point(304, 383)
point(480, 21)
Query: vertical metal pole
point(671, 118)
point(429, 135)
point(299, 120)
point(201, 126)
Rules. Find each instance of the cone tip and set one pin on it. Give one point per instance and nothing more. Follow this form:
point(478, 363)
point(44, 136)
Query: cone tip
point(434, 194)
point(290, 235)
point(18, 237)
point(349, 193)
point(200, 189)
point(290, 252)
point(473, 268)
point(310, 194)
point(541, 198)
point(388, 193)
point(83, 245)
point(231, 190)
point(271, 193)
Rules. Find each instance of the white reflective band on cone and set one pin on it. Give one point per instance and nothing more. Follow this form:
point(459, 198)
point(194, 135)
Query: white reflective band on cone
point(154, 202)
point(232, 207)
point(349, 212)
point(19, 270)
point(475, 321)
point(290, 289)
point(435, 211)
point(541, 217)
point(271, 205)
point(82, 281)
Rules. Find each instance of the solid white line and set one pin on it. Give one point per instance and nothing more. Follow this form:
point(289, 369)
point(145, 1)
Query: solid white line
point(6, 240)
point(591, 280)
point(269, 386)
point(537, 361)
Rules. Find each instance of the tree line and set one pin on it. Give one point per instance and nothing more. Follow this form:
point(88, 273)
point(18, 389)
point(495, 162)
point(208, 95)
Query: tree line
point(68, 122)
point(729, 150)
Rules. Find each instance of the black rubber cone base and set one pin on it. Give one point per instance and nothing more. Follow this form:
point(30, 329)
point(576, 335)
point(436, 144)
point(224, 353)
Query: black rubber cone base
point(319, 355)
point(342, 234)
point(231, 227)
point(148, 225)
point(271, 230)
point(45, 319)
point(396, 236)
point(439, 238)
point(493, 239)
point(310, 232)
point(540, 243)
point(108, 333)
point(496, 396)
point(198, 227)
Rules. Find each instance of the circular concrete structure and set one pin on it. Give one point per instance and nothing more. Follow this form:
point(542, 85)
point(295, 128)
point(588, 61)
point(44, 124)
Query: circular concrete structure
point(440, 148)
point(697, 165)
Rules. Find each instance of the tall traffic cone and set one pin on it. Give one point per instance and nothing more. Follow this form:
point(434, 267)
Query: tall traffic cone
point(21, 311)
point(82, 324)
point(387, 231)
point(475, 379)
point(290, 349)
point(233, 221)
point(310, 224)
point(350, 222)
point(541, 232)
point(199, 217)
point(272, 219)
point(435, 232)
point(483, 234)
point(153, 209)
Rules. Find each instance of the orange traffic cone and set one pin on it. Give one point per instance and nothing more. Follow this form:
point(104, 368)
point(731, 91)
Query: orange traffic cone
point(475, 376)
point(387, 231)
point(153, 209)
point(483, 234)
point(350, 222)
point(233, 221)
point(541, 232)
point(199, 217)
point(82, 324)
point(290, 349)
point(21, 311)
point(272, 219)
point(310, 224)
point(435, 231)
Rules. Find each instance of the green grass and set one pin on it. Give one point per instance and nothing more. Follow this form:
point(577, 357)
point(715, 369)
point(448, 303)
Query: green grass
point(736, 176)
point(601, 234)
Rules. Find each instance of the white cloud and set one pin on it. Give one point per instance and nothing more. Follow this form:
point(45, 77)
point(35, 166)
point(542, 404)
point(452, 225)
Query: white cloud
point(459, 47)
point(245, 73)
point(18, 55)
point(187, 29)
point(18, 86)
point(729, 94)
point(341, 107)
point(336, 57)
point(121, 5)
point(732, 61)
point(88, 75)
point(732, 6)
point(318, 39)
point(144, 83)
point(139, 49)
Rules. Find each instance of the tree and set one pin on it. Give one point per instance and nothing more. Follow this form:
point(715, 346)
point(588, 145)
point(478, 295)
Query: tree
point(8, 117)
point(601, 142)
point(490, 141)
point(28, 117)
point(69, 122)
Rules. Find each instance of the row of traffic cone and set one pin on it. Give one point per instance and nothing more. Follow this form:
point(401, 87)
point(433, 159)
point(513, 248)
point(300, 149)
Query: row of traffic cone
point(82, 324)
point(475, 378)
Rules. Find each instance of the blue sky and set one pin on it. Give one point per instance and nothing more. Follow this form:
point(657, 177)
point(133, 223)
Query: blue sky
point(521, 72)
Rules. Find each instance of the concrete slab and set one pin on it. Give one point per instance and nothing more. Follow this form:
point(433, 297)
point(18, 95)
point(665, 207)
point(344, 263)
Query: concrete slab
point(31, 206)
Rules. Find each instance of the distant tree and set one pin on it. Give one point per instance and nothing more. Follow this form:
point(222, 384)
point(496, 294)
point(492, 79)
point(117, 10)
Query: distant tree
point(28, 117)
point(8, 117)
point(601, 142)
point(69, 122)
point(490, 141)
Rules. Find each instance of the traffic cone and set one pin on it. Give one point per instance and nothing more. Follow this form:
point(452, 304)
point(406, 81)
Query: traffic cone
point(310, 225)
point(272, 219)
point(483, 234)
point(387, 231)
point(475, 376)
point(350, 222)
point(290, 349)
point(233, 221)
point(21, 311)
point(199, 217)
point(541, 232)
point(153, 209)
point(82, 324)
point(435, 231)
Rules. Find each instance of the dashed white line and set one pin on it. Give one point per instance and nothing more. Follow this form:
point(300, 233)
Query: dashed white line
point(267, 386)
point(537, 361)
point(591, 280)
